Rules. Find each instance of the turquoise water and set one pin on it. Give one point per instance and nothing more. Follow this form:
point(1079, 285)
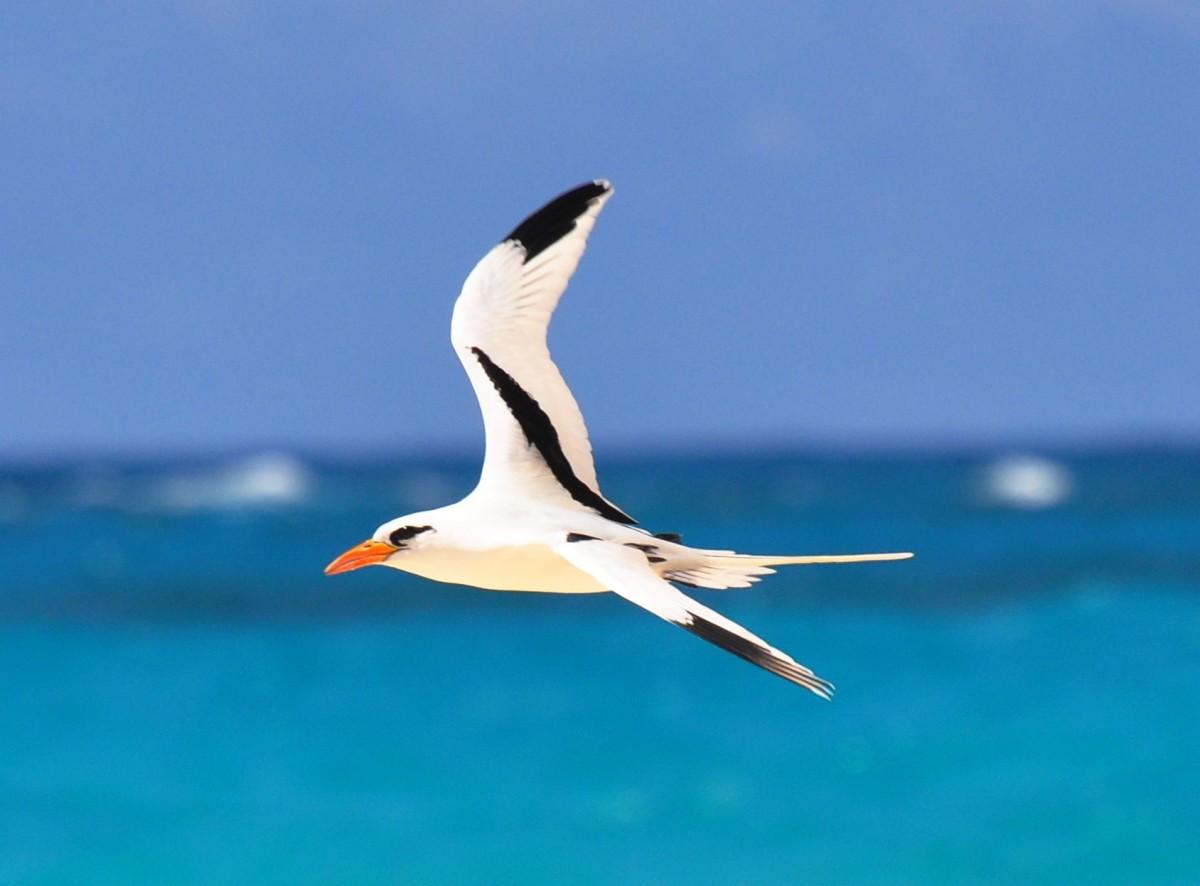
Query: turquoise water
point(188, 699)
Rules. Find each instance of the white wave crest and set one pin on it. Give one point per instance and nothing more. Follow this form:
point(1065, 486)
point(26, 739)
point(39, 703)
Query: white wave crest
point(1026, 481)
point(270, 479)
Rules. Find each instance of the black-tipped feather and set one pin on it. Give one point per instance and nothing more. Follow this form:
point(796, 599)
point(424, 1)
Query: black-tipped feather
point(756, 654)
point(556, 219)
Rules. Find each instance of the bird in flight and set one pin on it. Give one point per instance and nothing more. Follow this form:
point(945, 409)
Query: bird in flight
point(537, 520)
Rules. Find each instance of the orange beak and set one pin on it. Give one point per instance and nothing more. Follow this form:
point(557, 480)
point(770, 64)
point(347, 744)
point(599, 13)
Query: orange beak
point(368, 553)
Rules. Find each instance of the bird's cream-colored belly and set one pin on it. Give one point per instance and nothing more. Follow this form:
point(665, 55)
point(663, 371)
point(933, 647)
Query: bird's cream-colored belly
point(520, 568)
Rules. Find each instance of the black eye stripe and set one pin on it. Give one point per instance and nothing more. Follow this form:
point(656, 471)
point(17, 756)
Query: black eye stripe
point(401, 535)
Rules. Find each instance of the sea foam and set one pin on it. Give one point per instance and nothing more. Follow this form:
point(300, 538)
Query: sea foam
point(1026, 481)
point(270, 479)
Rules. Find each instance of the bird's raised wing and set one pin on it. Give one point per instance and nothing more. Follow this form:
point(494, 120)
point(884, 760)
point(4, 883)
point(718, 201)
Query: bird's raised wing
point(536, 438)
point(626, 572)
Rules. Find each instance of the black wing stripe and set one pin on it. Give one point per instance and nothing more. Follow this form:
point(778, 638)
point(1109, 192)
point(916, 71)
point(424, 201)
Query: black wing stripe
point(556, 219)
point(756, 654)
point(540, 433)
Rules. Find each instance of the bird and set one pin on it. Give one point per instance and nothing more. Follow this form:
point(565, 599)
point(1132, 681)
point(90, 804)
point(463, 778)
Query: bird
point(537, 520)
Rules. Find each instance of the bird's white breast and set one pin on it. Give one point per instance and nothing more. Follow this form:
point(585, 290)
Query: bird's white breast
point(514, 568)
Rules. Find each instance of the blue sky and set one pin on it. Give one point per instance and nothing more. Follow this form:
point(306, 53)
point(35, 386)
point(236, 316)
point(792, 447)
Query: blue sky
point(233, 224)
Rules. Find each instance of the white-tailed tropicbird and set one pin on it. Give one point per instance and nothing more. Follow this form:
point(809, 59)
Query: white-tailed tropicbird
point(537, 521)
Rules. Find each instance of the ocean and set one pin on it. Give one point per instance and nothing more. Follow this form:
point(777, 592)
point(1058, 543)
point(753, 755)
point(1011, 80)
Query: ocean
point(187, 699)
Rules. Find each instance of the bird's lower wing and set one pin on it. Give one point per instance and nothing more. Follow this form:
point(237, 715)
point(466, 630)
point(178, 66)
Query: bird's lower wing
point(626, 572)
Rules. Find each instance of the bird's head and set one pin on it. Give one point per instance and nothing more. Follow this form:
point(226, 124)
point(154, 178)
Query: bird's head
point(389, 543)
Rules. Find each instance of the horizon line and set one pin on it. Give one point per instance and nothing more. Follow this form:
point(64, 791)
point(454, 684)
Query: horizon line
point(825, 446)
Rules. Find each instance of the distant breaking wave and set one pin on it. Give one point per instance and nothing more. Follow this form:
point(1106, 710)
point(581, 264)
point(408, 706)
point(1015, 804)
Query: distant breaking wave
point(272, 479)
point(1026, 481)
point(264, 480)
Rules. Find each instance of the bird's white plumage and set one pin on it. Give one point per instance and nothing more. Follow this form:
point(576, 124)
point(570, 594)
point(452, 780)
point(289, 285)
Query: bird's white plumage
point(536, 521)
point(629, 575)
point(504, 309)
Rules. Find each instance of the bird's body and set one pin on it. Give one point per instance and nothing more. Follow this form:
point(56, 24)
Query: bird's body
point(537, 520)
point(515, 553)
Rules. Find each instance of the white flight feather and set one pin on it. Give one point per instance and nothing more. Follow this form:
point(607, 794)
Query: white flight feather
point(626, 572)
point(504, 310)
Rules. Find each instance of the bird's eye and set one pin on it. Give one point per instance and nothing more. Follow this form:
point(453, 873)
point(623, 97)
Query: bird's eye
point(404, 533)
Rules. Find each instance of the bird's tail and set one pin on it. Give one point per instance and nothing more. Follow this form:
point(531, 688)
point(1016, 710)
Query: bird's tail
point(726, 569)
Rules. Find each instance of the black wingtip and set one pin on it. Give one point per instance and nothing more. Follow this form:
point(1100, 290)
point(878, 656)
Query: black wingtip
point(758, 655)
point(557, 218)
